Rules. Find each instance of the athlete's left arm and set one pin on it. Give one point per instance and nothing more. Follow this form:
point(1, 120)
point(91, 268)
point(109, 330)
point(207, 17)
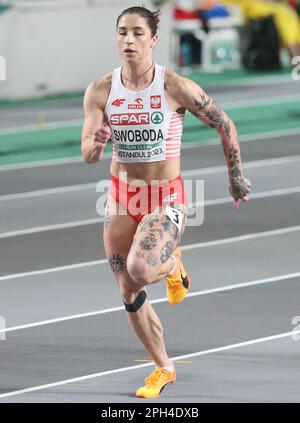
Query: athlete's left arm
point(193, 98)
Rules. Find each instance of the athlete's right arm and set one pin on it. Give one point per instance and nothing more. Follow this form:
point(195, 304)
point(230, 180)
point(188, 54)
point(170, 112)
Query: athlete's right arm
point(95, 132)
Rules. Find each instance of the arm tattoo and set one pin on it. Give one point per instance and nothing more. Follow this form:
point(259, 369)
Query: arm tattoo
point(238, 185)
point(117, 264)
point(225, 146)
point(193, 113)
point(234, 162)
point(203, 103)
point(239, 188)
point(214, 114)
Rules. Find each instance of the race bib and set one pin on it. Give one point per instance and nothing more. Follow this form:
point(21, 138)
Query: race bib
point(176, 216)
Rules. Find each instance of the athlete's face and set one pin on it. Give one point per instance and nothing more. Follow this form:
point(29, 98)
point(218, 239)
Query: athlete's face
point(135, 41)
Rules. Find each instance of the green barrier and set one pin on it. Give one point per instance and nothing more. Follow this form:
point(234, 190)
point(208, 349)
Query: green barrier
point(46, 144)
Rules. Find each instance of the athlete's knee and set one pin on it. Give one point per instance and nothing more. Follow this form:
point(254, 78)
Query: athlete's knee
point(139, 271)
point(133, 301)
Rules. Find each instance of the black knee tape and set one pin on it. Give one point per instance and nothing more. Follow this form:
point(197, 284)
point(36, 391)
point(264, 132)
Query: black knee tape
point(137, 303)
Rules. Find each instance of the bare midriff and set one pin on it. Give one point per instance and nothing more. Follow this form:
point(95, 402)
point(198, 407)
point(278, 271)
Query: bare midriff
point(165, 170)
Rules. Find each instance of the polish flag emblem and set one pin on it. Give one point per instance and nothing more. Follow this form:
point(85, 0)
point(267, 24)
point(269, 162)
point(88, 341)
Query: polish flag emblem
point(155, 101)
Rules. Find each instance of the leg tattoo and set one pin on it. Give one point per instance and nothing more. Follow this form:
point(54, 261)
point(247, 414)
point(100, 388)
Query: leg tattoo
point(117, 264)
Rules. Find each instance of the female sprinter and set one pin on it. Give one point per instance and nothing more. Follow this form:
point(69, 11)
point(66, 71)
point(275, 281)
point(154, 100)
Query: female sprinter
point(141, 106)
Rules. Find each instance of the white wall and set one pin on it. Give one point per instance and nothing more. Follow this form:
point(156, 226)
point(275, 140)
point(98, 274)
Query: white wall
point(61, 46)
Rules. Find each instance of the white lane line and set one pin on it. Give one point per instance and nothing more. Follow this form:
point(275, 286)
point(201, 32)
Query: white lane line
point(49, 191)
point(48, 125)
point(256, 136)
point(253, 196)
point(57, 226)
point(45, 163)
point(53, 269)
point(187, 247)
point(159, 300)
point(185, 173)
point(47, 228)
point(246, 165)
point(140, 366)
point(241, 104)
point(241, 238)
point(254, 102)
point(198, 204)
point(259, 80)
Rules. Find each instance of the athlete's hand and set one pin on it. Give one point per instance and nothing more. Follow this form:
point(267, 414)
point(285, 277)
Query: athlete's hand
point(239, 188)
point(101, 135)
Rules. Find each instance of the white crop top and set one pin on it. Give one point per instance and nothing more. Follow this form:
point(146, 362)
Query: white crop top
point(144, 128)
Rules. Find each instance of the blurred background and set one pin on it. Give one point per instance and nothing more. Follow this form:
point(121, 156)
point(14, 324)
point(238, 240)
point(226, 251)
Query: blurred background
point(52, 49)
point(56, 283)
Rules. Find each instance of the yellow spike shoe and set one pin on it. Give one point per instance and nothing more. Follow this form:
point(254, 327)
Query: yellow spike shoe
point(179, 283)
point(155, 383)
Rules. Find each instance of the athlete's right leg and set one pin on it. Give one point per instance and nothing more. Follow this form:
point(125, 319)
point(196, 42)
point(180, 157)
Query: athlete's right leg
point(119, 231)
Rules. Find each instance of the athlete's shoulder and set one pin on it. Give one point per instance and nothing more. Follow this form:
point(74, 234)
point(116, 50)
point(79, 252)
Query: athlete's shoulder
point(181, 88)
point(101, 85)
point(98, 90)
point(174, 82)
point(170, 75)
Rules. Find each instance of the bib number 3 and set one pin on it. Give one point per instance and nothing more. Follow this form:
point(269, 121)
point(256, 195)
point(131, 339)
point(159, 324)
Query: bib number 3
point(176, 216)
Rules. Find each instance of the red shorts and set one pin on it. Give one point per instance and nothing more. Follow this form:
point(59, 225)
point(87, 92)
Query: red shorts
point(141, 200)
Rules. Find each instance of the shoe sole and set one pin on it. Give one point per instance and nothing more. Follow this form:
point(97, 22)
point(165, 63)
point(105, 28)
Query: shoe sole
point(161, 389)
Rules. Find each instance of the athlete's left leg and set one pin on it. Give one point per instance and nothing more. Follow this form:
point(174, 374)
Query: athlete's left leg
point(157, 236)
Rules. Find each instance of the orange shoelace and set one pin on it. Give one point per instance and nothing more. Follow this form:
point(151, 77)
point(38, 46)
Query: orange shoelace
point(155, 376)
point(176, 278)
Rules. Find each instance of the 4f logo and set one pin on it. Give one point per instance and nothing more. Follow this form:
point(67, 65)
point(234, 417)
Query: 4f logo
point(155, 102)
point(170, 198)
point(118, 102)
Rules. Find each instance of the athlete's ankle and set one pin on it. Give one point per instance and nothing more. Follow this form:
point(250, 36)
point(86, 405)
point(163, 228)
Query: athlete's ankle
point(167, 366)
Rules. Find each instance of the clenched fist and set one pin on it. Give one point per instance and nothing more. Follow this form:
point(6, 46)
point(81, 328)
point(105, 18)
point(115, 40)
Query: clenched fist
point(101, 135)
point(239, 188)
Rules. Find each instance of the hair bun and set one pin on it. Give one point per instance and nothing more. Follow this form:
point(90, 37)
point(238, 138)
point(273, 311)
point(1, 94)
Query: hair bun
point(156, 16)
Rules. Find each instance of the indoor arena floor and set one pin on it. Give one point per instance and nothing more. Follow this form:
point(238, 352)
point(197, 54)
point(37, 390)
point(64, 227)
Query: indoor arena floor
point(234, 338)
